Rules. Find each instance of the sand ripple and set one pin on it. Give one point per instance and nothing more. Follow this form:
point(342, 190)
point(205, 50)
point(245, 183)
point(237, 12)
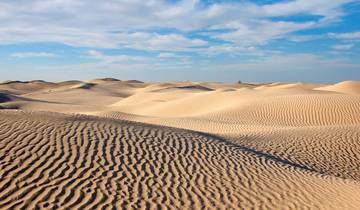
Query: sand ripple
point(77, 162)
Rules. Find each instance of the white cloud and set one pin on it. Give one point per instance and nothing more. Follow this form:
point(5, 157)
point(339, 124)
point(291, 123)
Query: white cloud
point(342, 46)
point(233, 50)
point(115, 58)
point(32, 54)
point(304, 38)
point(79, 38)
point(167, 55)
point(262, 31)
point(154, 41)
point(346, 36)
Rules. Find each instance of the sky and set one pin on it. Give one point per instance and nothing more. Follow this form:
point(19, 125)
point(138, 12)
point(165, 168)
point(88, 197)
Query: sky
point(198, 40)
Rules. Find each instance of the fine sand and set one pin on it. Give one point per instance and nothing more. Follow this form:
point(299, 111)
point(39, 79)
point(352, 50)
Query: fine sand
point(111, 144)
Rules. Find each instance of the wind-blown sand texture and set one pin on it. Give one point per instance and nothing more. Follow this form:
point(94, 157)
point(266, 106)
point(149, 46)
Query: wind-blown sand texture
point(111, 144)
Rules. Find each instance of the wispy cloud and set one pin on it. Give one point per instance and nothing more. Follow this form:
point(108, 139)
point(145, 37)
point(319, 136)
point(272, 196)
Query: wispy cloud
point(32, 54)
point(304, 38)
point(155, 41)
point(167, 55)
point(262, 31)
point(114, 58)
point(346, 36)
point(342, 46)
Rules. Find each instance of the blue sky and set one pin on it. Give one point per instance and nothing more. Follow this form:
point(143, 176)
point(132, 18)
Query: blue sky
point(200, 40)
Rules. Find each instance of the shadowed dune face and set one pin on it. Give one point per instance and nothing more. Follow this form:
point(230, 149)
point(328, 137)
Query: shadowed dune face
point(4, 98)
point(106, 143)
point(59, 161)
point(187, 87)
point(85, 85)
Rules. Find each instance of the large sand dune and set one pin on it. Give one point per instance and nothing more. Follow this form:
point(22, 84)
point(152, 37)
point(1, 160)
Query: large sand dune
point(350, 87)
point(110, 144)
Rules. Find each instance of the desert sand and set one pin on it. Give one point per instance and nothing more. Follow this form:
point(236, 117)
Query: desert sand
point(112, 144)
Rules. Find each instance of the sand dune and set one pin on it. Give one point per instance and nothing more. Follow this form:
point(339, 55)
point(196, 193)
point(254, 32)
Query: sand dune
point(20, 87)
point(106, 143)
point(298, 86)
point(352, 87)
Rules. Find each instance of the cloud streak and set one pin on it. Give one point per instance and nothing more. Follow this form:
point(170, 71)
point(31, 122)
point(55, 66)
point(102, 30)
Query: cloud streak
point(108, 59)
point(32, 54)
point(342, 46)
point(346, 36)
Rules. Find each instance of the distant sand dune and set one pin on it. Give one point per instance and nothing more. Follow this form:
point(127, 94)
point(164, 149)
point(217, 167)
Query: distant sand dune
point(19, 87)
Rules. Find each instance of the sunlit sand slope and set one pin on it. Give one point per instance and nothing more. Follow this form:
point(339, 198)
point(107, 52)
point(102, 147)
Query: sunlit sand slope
point(78, 162)
point(349, 87)
point(315, 129)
